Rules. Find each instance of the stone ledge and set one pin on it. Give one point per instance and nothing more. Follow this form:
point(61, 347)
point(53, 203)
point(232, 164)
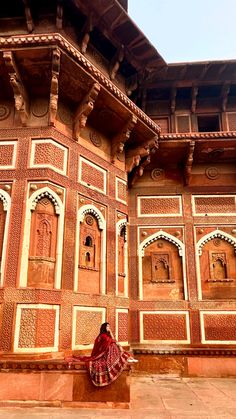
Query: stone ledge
point(186, 351)
point(50, 383)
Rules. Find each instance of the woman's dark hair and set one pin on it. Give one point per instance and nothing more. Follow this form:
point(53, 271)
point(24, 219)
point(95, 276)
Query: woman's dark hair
point(103, 328)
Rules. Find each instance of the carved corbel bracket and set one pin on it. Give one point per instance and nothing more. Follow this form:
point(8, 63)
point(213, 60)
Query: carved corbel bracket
point(138, 171)
point(116, 61)
point(131, 84)
point(194, 98)
point(84, 109)
point(189, 163)
point(56, 55)
point(19, 91)
point(224, 95)
point(118, 142)
point(173, 99)
point(28, 16)
point(59, 16)
point(136, 155)
point(87, 29)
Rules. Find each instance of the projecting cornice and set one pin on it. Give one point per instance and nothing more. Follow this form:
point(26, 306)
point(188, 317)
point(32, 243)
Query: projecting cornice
point(68, 48)
point(199, 135)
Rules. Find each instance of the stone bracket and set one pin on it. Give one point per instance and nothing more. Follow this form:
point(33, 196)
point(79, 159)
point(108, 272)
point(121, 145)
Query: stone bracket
point(118, 142)
point(224, 95)
point(194, 98)
point(84, 109)
point(19, 91)
point(173, 99)
point(139, 170)
point(134, 155)
point(116, 61)
point(59, 15)
point(189, 163)
point(56, 55)
point(88, 27)
point(28, 16)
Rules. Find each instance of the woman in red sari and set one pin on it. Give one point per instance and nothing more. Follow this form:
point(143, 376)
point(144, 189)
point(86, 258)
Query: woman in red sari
point(107, 360)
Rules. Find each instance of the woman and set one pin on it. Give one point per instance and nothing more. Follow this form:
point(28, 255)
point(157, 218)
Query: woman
point(107, 360)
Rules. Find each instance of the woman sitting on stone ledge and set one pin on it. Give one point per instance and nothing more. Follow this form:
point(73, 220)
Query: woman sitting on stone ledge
point(107, 360)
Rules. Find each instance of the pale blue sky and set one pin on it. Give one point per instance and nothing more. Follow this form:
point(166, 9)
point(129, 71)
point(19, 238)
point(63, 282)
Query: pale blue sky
point(188, 30)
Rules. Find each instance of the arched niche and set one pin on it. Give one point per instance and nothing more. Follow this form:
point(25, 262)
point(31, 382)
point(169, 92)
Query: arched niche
point(90, 256)
point(162, 271)
point(121, 258)
point(43, 238)
point(216, 266)
point(5, 204)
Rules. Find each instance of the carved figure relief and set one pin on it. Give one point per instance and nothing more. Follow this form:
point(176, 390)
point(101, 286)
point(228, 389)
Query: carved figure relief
point(89, 256)
point(218, 270)
point(42, 252)
point(162, 272)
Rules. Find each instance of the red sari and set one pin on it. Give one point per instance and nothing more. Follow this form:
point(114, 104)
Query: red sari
point(106, 362)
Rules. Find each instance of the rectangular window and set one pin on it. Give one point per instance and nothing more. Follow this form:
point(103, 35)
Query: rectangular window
point(208, 123)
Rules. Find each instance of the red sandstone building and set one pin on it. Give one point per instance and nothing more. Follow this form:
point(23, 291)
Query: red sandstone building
point(117, 190)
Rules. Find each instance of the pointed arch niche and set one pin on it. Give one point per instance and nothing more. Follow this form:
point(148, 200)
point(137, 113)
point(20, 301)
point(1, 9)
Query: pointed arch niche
point(90, 252)
point(216, 266)
point(162, 271)
point(43, 238)
point(5, 204)
point(121, 258)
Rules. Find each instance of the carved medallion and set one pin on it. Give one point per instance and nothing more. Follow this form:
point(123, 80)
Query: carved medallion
point(39, 107)
point(64, 114)
point(212, 173)
point(89, 220)
point(217, 242)
point(4, 112)
point(157, 173)
point(160, 244)
point(95, 139)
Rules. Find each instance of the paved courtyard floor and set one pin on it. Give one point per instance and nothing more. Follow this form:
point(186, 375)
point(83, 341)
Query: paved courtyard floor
point(156, 397)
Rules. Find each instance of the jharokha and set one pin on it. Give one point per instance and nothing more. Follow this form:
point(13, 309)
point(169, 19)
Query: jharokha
point(117, 191)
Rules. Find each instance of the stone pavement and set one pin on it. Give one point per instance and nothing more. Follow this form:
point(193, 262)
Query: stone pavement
point(154, 397)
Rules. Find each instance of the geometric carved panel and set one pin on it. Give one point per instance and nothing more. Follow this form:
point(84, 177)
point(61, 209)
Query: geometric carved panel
point(231, 119)
point(49, 153)
point(159, 206)
point(122, 326)
point(92, 176)
point(8, 154)
point(218, 327)
point(121, 190)
point(164, 327)
point(163, 124)
point(214, 205)
point(37, 328)
point(86, 325)
point(183, 123)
